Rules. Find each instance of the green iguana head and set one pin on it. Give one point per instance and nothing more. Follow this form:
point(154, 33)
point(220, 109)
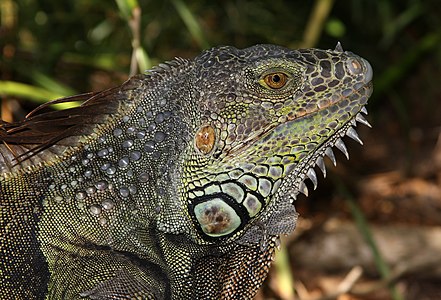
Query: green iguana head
point(268, 116)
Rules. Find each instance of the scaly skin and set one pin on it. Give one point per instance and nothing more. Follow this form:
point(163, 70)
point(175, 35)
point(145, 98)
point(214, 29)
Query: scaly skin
point(177, 184)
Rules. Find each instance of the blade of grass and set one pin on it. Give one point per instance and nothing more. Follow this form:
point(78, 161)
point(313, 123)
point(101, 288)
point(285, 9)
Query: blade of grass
point(143, 60)
point(365, 231)
point(316, 22)
point(191, 23)
point(393, 26)
point(140, 60)
point(48, 83)
point(131, 12)
point(35, 94)
point(284, 283)
point(104, 61)
point(126, 7)
point(396, 71)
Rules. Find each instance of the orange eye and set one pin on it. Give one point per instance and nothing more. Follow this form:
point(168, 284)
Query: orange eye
point(205, 139)
point(276, 80)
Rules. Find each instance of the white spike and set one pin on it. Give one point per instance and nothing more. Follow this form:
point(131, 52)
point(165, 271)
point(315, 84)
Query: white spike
point(364, 110)
point(338, 47)
point(331, 155)
point(321, 164)
point(303, 189)
point(294, 198)
point(313, 176)
point(352, 133)
point(342, 147)
point(361, 119)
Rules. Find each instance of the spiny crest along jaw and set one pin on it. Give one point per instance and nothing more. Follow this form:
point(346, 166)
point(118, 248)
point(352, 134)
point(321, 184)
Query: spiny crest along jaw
point(291, 187)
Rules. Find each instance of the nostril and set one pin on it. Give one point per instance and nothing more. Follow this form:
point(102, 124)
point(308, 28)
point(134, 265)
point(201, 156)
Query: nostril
point(358, 66)
point(354, 66)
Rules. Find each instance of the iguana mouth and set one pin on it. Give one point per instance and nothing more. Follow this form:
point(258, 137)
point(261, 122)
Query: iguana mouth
point(294, 182)
point(306, 170)
point(260, 135)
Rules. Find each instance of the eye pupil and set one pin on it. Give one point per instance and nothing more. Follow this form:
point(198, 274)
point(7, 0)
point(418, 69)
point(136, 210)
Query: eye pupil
point(275, 80)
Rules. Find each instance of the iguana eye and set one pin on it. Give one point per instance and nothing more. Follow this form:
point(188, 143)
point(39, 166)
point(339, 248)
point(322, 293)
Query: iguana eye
point(204, 139)
point(275, 80)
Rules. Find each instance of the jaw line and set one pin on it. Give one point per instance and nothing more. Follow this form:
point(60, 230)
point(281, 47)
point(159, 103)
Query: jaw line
point(292, 183)
point(242, 147)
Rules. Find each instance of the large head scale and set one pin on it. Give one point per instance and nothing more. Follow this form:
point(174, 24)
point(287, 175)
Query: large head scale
point(267, 116)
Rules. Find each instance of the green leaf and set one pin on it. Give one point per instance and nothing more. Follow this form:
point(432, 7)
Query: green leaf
point(335, 28)
point(143, 59)
point(126, 7)
point(191, 23)
point(51, 84)
point(33, 93)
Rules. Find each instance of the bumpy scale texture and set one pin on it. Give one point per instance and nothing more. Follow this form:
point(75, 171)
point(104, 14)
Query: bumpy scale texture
point(177, 184)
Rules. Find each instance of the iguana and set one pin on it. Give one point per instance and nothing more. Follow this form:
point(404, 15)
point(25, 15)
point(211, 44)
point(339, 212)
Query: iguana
point(176, 184)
